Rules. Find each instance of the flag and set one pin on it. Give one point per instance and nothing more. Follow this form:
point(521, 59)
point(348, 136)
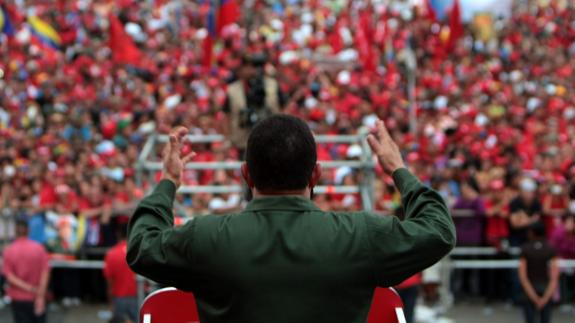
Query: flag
point(6, 25)
point(439, 8)
point(455, 25)
point(364, 41)
point(124, 51)
point(43, 34)
point(220, 13)
point(334, 38)
point(228, 13)
point(430, 11)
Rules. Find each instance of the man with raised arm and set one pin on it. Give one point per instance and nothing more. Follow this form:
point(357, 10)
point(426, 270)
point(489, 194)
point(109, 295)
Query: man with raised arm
point(282, 259)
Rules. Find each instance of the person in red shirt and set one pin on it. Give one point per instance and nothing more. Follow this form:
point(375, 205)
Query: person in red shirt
point(121, 280)
point(27, 269)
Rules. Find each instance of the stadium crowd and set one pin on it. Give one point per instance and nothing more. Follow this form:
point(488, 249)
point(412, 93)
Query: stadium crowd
point(495, 110)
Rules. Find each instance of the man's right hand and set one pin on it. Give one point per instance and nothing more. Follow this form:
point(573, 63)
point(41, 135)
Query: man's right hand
point(385, 149)
point(173, 160)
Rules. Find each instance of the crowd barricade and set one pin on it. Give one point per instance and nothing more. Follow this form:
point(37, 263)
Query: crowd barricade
point(451, 265)
point(147, 165)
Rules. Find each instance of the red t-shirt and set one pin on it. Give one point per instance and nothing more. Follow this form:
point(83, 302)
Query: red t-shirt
point(27, 260)
point(117, 271)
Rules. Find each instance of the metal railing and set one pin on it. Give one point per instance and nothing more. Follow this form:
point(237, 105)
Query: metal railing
point(451, 265)
point(365, 164)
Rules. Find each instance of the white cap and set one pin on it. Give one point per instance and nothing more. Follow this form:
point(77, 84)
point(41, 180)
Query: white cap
point(343, 77)
point(528, 185)
point(354, 151)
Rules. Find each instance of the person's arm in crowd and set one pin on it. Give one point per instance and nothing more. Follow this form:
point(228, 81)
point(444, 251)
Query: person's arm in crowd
point(526, 284)
point(554, 273)
point(520, 219)
point(155, 247)
point(401, 249)
point(17, 282)
point(40, 301)
point(90, 213)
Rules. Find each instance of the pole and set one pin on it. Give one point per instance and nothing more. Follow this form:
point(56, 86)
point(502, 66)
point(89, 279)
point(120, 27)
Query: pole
point(411, 65)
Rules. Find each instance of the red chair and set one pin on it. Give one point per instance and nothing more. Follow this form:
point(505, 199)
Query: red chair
point(386, 307)
point(169, 305)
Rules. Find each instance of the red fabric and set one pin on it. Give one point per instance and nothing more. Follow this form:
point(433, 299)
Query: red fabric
point(497, 227)
point(430, 11)
point(364, 41)
point(383, 306)
point(207, 51)
point(411, 281)
point(228, 14)
point(124, 51)
point(455, 25)
point(47, 195)
point(25, 259)
point(116, 270)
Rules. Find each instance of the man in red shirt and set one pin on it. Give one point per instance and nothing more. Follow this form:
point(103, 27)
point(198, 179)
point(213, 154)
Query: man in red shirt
point(121, 280)
point(27, 269)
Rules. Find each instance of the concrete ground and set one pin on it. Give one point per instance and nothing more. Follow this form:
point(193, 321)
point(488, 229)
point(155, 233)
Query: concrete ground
point(465, 313)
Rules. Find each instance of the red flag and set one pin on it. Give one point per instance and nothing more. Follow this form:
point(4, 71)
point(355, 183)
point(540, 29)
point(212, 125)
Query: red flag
point(455, 25)
point(335, 38)
point(124, 51)
point(228, 13)
point(430, 11)
point(364, 42)
point(208, 51)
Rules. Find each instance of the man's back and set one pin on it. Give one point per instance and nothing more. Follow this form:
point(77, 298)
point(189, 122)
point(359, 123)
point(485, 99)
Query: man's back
point(284, 260)
point(25, 259)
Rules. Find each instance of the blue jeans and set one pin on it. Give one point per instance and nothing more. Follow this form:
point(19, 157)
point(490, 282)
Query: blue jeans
point(126, 308)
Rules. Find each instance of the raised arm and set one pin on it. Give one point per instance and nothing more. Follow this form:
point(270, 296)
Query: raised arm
point(400, 249)
point(156, 249)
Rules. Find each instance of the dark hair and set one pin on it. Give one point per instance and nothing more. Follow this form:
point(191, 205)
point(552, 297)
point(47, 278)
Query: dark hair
point(281, 153)
point(21, 227)
point(537, 229)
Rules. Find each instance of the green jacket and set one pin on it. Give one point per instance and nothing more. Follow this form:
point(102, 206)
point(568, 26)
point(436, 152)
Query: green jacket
point(282, 259)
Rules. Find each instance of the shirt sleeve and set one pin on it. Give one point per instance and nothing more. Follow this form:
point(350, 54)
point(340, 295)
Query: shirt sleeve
point(400, 249)
point(156, 249)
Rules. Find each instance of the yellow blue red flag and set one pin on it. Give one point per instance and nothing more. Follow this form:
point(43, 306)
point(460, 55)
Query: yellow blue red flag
point(44, 33)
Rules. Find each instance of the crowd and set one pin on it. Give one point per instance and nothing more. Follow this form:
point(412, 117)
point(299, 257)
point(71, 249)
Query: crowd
point(495, 132)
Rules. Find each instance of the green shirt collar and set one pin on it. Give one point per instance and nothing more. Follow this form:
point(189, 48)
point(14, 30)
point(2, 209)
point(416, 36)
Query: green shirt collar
point(282, 202)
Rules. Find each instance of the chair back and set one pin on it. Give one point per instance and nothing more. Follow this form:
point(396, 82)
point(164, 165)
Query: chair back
point(169, 305)
point(386, 307)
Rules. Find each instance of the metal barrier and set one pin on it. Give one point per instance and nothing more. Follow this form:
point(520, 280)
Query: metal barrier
point(147, 167)
point(452, 265)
